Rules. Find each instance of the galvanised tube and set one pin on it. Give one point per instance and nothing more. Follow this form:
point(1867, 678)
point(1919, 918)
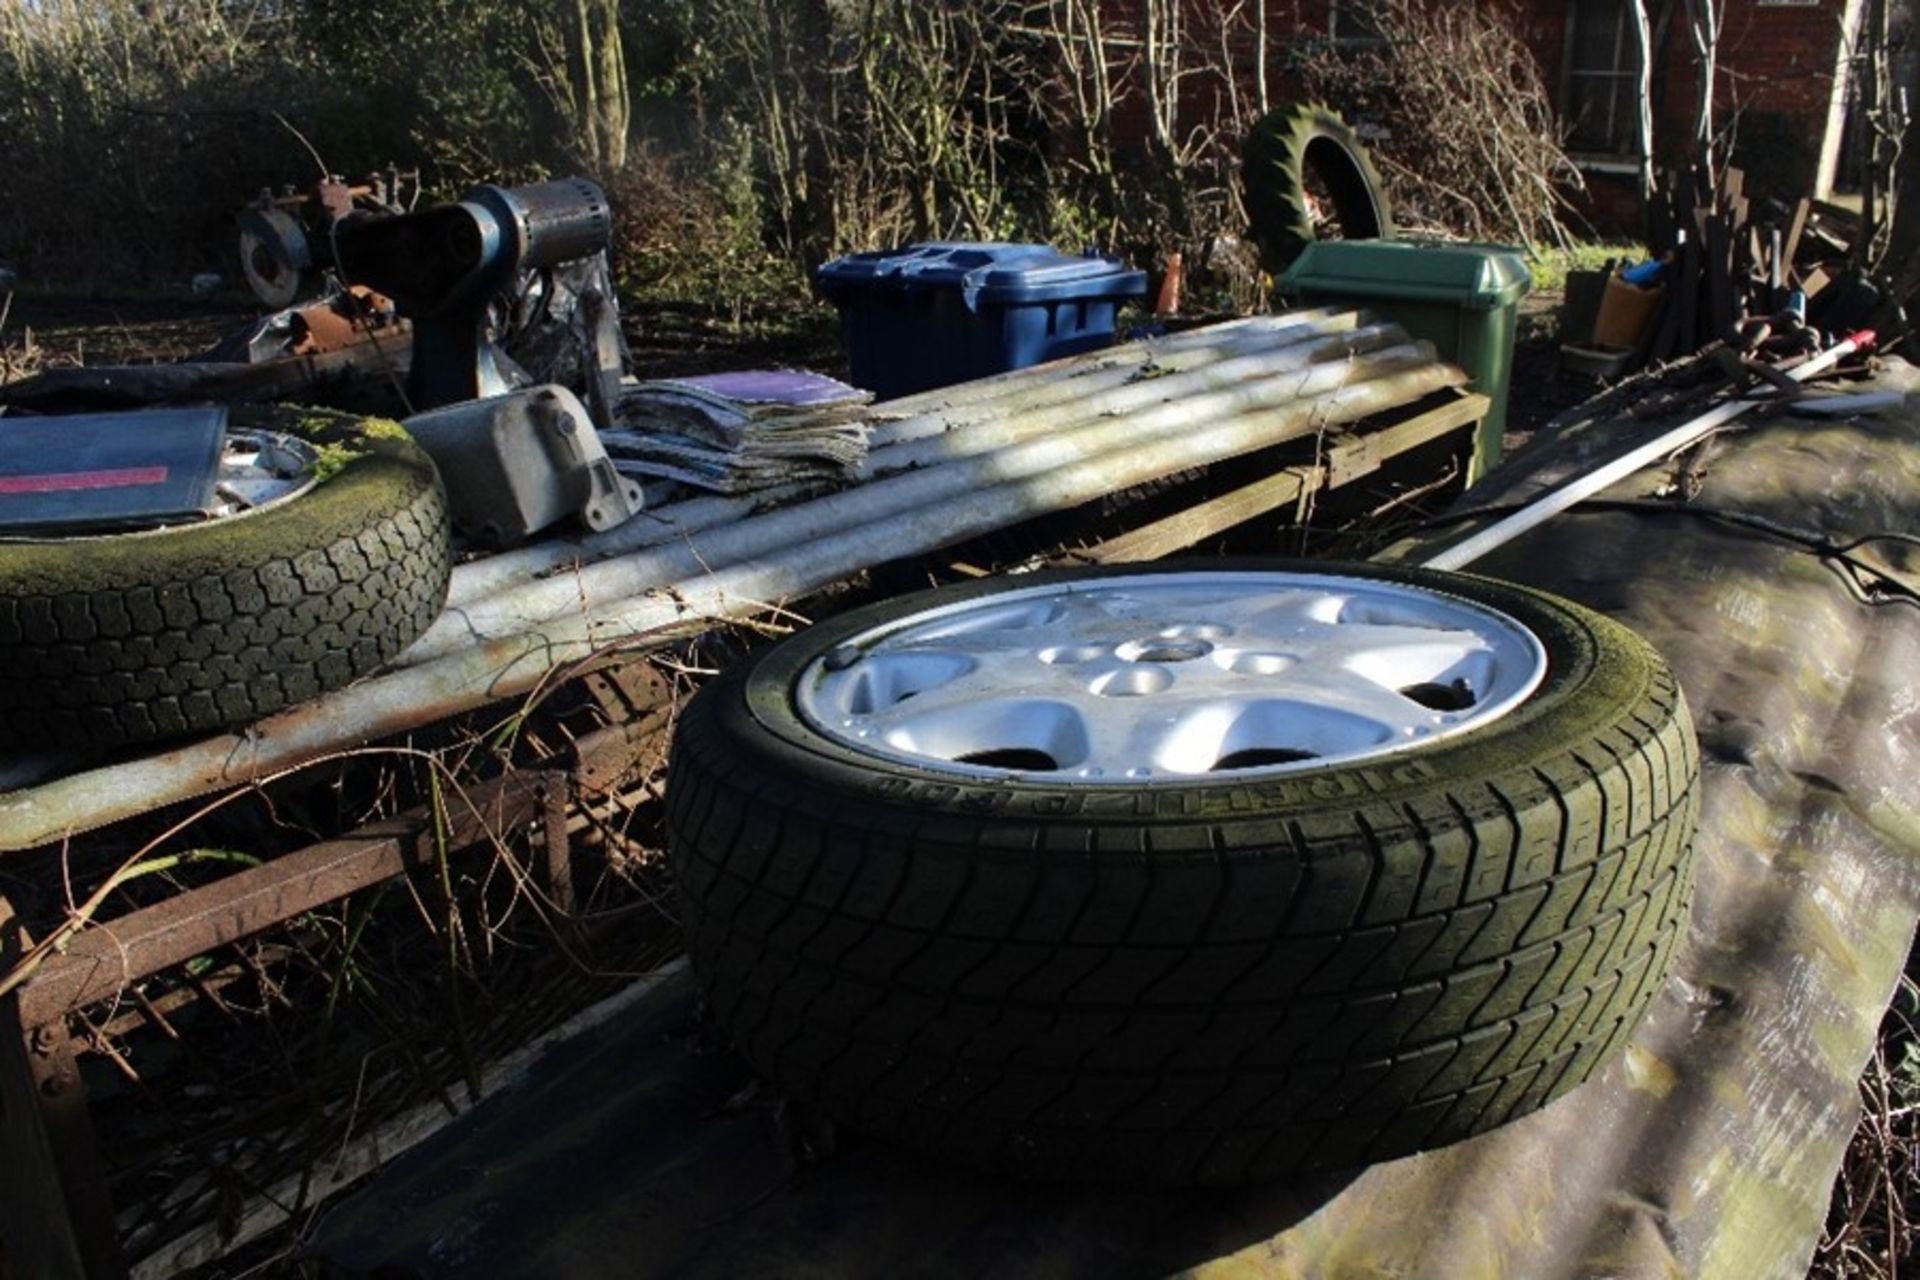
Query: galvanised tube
point(899, 495)
point(1011, 416)
point(492, 670)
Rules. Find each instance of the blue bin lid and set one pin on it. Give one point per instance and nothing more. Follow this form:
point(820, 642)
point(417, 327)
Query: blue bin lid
point(985, 272)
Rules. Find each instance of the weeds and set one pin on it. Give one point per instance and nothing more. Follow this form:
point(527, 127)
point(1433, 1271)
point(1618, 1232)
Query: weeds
point(1551, 265)
point(1870, 1225)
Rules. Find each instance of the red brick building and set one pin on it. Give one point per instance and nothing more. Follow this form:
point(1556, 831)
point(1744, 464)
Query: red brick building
point(1781, 89)
point(1780, 96)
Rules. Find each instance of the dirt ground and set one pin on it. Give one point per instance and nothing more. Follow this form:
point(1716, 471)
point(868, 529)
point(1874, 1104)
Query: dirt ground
point(666, 340)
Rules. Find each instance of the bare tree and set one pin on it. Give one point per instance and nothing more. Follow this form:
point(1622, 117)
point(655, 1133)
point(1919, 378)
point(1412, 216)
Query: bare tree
point(1092, 76)
point(1473, 143)
point(1643, 94)
point(581, 64)
point(1903, 222)
point(1705, 19)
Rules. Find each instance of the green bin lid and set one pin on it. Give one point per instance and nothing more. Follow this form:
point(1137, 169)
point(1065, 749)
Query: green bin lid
point(1474, 277)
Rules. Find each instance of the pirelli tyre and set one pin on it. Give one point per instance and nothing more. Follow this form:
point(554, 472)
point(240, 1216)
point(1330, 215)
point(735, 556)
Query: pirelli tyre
point(128, 637)
point(1301, 146)
point(1195, 874)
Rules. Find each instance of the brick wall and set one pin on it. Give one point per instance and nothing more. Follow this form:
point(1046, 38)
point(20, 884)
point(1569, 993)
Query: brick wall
point(1777, 65)
point(1775, 85)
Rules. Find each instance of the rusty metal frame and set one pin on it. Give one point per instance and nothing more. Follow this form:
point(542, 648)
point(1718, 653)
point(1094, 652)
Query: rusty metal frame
point(56, 1215)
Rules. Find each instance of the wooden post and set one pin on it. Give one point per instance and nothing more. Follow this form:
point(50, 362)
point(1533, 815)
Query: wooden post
point(1903, 219)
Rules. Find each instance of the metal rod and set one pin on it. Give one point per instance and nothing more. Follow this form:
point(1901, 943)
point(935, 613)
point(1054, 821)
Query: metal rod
point(490, 670)
point(1007, 415)
point(1577, 490)
point(896, 496)
point(1069, 386)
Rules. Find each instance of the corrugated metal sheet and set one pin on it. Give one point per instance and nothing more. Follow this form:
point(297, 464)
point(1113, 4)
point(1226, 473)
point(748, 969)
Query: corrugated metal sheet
point(1709, 1149)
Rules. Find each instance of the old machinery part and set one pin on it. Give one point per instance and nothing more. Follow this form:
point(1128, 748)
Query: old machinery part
point(445, 266)
point(517, 463)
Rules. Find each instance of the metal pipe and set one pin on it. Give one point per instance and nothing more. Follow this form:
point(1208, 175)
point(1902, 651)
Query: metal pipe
point(1579, 489)
point(486, 577)
point(491, 576)
point(533, 603)
point(1068, 386)
point(1137, 352)
point(1118, 396)
point(504, 668)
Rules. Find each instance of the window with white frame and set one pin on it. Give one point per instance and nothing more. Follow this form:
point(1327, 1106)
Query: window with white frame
point(1599, 93)
point(1352, 22)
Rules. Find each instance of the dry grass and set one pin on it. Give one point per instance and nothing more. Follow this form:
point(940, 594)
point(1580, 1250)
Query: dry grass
point(20, 355)
point(1472, 140)
point(1870, 1225)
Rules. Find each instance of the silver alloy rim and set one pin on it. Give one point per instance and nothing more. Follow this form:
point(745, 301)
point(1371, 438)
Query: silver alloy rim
point(1115, 681)
point(260, 469)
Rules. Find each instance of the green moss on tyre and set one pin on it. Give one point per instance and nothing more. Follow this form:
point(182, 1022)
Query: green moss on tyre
point(113, 639)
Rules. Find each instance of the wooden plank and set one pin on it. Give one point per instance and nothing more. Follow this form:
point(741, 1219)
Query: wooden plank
point(1346, 461)
point(1666, 336)
point(1776, 272)
point(1794, 232)
point(1182, 529)
point(1688, 335)
point(1719, 278)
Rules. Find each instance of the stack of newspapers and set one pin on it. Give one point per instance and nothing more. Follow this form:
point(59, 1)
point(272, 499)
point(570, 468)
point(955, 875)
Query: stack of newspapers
point(738, 432)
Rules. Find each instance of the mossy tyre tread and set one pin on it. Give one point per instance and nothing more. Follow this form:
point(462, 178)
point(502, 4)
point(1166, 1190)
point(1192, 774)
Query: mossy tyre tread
point(1275, 158)
point(1202, 981)
point(127, 638)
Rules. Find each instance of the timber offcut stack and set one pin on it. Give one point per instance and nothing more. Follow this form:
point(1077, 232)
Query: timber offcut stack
point(1722, 268)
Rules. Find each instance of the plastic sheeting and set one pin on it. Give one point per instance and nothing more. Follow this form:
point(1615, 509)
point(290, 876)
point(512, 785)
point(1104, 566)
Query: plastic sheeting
point(1708, 1149)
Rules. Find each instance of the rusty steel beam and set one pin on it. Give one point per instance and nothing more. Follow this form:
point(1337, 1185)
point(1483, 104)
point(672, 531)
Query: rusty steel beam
point(639, 704)
point(104, 960)
point(56, 1217)
point(555, 844)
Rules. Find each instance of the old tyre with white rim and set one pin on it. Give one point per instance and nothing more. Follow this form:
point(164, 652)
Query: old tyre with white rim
point(332, 552)
point(1187, 874)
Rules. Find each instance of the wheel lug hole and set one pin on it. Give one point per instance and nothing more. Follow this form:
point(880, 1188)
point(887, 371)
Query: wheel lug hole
point(1162, 649)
